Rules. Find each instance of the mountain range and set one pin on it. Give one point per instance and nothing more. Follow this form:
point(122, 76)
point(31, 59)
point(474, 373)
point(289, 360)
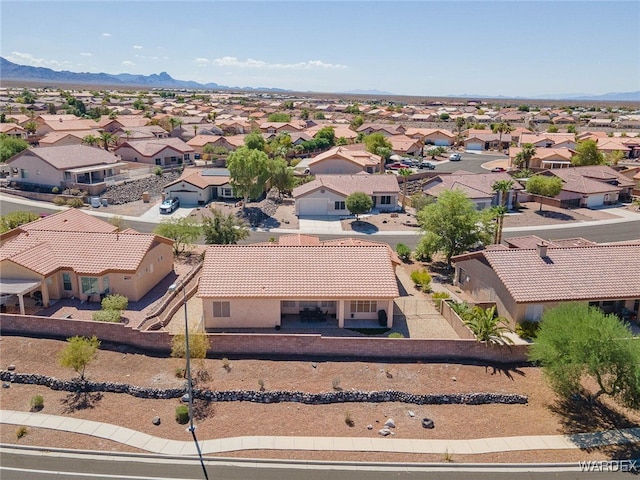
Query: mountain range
point(25, 73)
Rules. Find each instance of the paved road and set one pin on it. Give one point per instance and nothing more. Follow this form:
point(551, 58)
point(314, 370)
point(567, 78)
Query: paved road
point(34, 465)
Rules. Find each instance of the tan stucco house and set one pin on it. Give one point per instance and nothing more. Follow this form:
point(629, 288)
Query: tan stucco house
point(72, 254)
point(162, 152)
point(266, 285)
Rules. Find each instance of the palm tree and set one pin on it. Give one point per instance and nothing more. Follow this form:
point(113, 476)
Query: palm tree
point(405, 173)
point(106, 138)
point(487, 327)
point(501, 128)
point(90, 140)
point(525, 155)
point(502, 187)
point(128, 133)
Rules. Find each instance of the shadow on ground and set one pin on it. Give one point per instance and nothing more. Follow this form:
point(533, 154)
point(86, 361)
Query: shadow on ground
point(577, 415)
point(80, 401)
point(363, 227)
point(555, 215)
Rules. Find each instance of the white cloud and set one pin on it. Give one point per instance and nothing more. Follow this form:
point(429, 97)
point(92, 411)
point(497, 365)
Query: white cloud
point(202, 62)
point(86, 54)
point(251, 63)
point(138, 47)
point(128, 63)
point(106, 34)
point(28, 59)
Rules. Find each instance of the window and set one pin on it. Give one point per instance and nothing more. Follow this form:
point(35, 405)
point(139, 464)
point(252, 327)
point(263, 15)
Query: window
point(105, 285)
point(186, 156)
point(158, 161)
point(308, 304)
point(66, 281)
point(339, 206)
point(364, 306)
point(89, 285)
point(385, 200)
point(23, 173)
point(533, 312)
point(221, 309)
point(288, 304)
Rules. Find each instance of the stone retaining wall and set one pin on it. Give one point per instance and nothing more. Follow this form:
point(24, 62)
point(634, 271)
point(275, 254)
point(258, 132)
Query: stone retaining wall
point(351, 396)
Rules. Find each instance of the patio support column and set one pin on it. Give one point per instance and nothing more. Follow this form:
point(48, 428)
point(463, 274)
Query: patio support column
point(21, 301)
point(44, 288)
point(390, 314)
point(340, 313)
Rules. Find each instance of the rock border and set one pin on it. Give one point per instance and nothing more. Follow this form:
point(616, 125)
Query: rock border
point(276, 396)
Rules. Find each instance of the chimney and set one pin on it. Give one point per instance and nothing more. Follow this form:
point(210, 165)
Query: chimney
point(542, 249)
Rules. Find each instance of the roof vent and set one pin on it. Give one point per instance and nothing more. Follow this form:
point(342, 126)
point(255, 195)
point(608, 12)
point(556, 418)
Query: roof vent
point(542, 249)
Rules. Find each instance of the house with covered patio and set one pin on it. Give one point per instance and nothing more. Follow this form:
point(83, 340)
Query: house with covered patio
point(341, 283)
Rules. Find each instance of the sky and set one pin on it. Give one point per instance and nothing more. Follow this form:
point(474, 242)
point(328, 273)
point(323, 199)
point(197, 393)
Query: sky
point(423, 48)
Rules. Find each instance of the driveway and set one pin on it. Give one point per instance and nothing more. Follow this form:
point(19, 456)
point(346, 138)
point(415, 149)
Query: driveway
point(320, 225)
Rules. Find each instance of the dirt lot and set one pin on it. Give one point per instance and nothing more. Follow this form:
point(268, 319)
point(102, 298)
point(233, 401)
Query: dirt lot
point(543, 415)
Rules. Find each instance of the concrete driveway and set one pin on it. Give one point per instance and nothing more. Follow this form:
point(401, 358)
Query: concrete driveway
point(320, 225)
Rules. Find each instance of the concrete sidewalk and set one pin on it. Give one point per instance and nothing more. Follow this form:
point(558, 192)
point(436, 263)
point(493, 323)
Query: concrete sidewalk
point(165, 446)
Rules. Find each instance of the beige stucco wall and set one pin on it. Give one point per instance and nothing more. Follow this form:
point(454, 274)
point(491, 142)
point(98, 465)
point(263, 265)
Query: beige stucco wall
point(38, 171)
point(156, 265)
point(245, 313)
point(330, 196)
point(335, 166)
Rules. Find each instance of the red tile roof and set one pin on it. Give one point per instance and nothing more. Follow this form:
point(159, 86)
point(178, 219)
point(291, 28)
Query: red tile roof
point(290, 271)
point(347, 184)
point(64, 157)
point(70, 220)
point(568, 274)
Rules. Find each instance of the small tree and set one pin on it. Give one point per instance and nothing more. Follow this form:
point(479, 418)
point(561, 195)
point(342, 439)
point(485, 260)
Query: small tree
point(14, 219)
point(576, 341)
point(422, 279)
point(183, 231)
point(79, 352)
point(221, 229)
point(198, 345)
point(587, 153)
point(405, 173)
point(487, 327)
point(281, 176)
point(249, 172)
point(358, 203)
point(10, 146)
point(403, 252)
point(544, 186)
point(523, 158)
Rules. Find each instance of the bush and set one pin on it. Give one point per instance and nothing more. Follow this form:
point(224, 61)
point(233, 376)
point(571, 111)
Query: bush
point(420, 200)
point(55, 190)
point(403, 252)
point(115, 302)
point(437, 297)
point(348, 419)
point(396, 335)
point(226, 365)
point(112, 316)
point(182, 414)
point(37, 403)
point(75, 203)
point(21, 431)
point(527, 329)
point(422, 279)
point(60, 201)
point(157, 171)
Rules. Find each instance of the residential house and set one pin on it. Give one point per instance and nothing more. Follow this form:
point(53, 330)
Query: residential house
point(68, 166)
point(345, 282)
point(482, 140)
point(280, 127)
point(327, 194)
point(524, 282)
point(549, 140)
point(432, 136)
point(148, 132)
point(478, 187)
point(403, 145)
point(13, 130)
point(163, 152)
point(593, 186)
point(544, 157)
point(37, 257)
point(199, 186)
point(341, 160)
point(386, 129)
point(56, 139)
point(122, 122)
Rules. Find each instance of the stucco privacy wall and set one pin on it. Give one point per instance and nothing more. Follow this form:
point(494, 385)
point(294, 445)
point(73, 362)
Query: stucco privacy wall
point(279, 344)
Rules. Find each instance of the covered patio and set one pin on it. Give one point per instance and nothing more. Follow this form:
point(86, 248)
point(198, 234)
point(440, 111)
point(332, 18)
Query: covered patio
point(15, 290)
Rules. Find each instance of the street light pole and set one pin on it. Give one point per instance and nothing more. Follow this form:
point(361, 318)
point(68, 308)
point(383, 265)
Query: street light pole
point(172, 288)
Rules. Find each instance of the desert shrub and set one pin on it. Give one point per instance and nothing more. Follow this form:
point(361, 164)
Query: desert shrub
point(422, 279)
point(396, 335)
point(55, 190)
point(112, 316)
point(437, 297)
point(261, 384)
point(180, 372)
point(226, 365)
point(336, 384)
point(37, 403)
point(348, 419)
point(21, 431)
point(463, 309)
point(420, 200)
point(527, 329)
point(60, 201)
point(157, 171)
point(75, 203)
point(403, 252)
point(115, 302)
point(182, 414)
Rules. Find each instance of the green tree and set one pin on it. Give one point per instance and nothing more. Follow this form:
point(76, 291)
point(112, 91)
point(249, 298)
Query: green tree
point(279, 117)
point(587, 153)
point(304, 114)
point(221, 229)
point(444, 116)
point(328, 133)
point(183, 231)
point(571, 129)
point(544, 186)
point(14, 219)
point(78, 353)
point(31, 127)
point(90, 140)
point(502, 187)
point(613, 158)
point(281, 176)
point(358, 203)
point(357, 122)
point(455, 223)
point(254, 141)
point(405, 173)
point(10, 146)
point(523, 158)
point(552, 129)
point(107, 139)
point(378, 144)
point(488, 327)
point(249, 172)
point(576, 341)
point(501, 128)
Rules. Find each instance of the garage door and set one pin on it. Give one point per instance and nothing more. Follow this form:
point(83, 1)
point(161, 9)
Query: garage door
point(187, 199)
point(313, 206)
point(474, 146)
point(442, 143)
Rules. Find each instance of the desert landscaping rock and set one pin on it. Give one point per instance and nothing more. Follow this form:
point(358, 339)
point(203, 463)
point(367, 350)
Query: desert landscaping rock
point(385, 432)
point(390, 423)
point(428, 423)
point(132, 191)
point(156, 420)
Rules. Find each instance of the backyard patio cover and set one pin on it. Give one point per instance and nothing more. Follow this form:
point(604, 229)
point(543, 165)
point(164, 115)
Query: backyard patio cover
point(9, 286)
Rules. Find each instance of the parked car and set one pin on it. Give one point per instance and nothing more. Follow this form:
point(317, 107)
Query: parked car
point(397, 166)
point(455, 157)
point(498, 169)
point(427, 165)
point(169, 205)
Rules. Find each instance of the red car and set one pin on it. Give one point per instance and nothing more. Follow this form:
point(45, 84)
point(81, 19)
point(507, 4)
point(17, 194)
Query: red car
point(397, 166)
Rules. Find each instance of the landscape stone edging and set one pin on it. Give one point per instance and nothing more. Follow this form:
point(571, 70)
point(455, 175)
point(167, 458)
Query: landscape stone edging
point(348, 396)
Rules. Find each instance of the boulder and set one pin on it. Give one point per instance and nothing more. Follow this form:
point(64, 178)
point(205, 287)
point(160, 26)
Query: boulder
point(156, 420)
point(428, 423)
point(390, 423)
point(385, 432)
